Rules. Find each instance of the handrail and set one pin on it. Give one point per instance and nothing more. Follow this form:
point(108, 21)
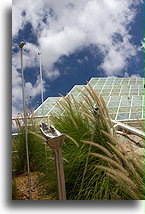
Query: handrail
point(118, 125)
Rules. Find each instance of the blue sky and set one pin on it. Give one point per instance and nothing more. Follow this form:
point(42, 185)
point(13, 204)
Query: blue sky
point(88, 38)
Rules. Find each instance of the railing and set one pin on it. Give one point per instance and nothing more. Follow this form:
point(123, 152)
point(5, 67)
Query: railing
point(135, 131)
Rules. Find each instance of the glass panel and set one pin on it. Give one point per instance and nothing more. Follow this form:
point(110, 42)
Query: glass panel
point(98, 87)
point(109, 81)
point(55, 110)
point(139, 81)
point(93, 81)
point(125, 90)
point(123, 116)
point(47, 108)
point(53, 99)
point(125, 81)
point(114, 93)
point(79, 89)
point(134, 93)
point(124, 109)
point(126, 87)
point(141, 86)
point(38, 112)
point(116, 90)
point(101, 81)
point(108, 86)
point(117, 87)
point(105, 93)
point(113, 104)
point(132, 81)
point(126, 98)
point(117, 82)
point(46, 111)
point(133, 90)
point(104, 90)
point(124, 93)
point(136, 98)
point(136, 109)
point(112, 110)
point(137, 103)
point(75, 93)
point(49, 105)
point(141, 92)
point(115, 98)
point(134, 87)
point(137, 115)
point(125, 103)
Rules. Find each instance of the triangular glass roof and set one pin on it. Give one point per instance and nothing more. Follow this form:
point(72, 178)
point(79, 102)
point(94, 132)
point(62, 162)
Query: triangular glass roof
point(124, 97)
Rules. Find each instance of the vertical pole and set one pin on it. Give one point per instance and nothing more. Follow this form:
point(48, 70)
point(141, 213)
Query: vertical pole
point(25, 121)
point(60, 175)
point(41, 83)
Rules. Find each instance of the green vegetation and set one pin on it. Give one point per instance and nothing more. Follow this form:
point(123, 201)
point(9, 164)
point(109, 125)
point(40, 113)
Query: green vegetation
point(96, 166)
point(39, 156)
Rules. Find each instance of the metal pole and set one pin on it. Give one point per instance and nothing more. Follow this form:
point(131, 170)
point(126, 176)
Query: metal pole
point(60, 174)
point(41, 81)
point(25, 121)
point(55, 140)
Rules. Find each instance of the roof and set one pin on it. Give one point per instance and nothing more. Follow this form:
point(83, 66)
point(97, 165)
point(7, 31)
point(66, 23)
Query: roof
point(123, 96)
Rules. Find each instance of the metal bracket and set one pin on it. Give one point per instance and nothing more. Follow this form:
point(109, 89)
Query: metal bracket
point(55, 140)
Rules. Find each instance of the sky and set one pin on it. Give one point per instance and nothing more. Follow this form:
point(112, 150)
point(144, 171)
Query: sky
point(78, 40)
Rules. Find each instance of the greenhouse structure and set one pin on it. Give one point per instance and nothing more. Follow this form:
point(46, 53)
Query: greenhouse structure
point(123, 97)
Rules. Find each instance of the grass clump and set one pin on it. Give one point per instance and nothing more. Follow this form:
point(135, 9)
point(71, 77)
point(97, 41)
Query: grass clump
point(40, 158)
point(96, 168)
point(96, 165)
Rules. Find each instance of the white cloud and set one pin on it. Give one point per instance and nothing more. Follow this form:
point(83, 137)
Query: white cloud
point(29, 90)
point(79, 24)
point(33, 90)
point(30, 60)
point(131, 76)
point(64, 26)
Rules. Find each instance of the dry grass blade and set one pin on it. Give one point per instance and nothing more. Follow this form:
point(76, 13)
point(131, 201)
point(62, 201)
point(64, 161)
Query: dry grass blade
point(73, 121)
point(99, 147)
point(115, 140)
point(72, 139)
point(126, 187)
point(88, 115)
point(119, 175)
point(110, 161)
point(37, 135)
point(117, 155)
point(122, 153)
point(84, 109)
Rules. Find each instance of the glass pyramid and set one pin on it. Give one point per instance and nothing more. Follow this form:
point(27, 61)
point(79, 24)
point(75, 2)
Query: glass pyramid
point(124, 97)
